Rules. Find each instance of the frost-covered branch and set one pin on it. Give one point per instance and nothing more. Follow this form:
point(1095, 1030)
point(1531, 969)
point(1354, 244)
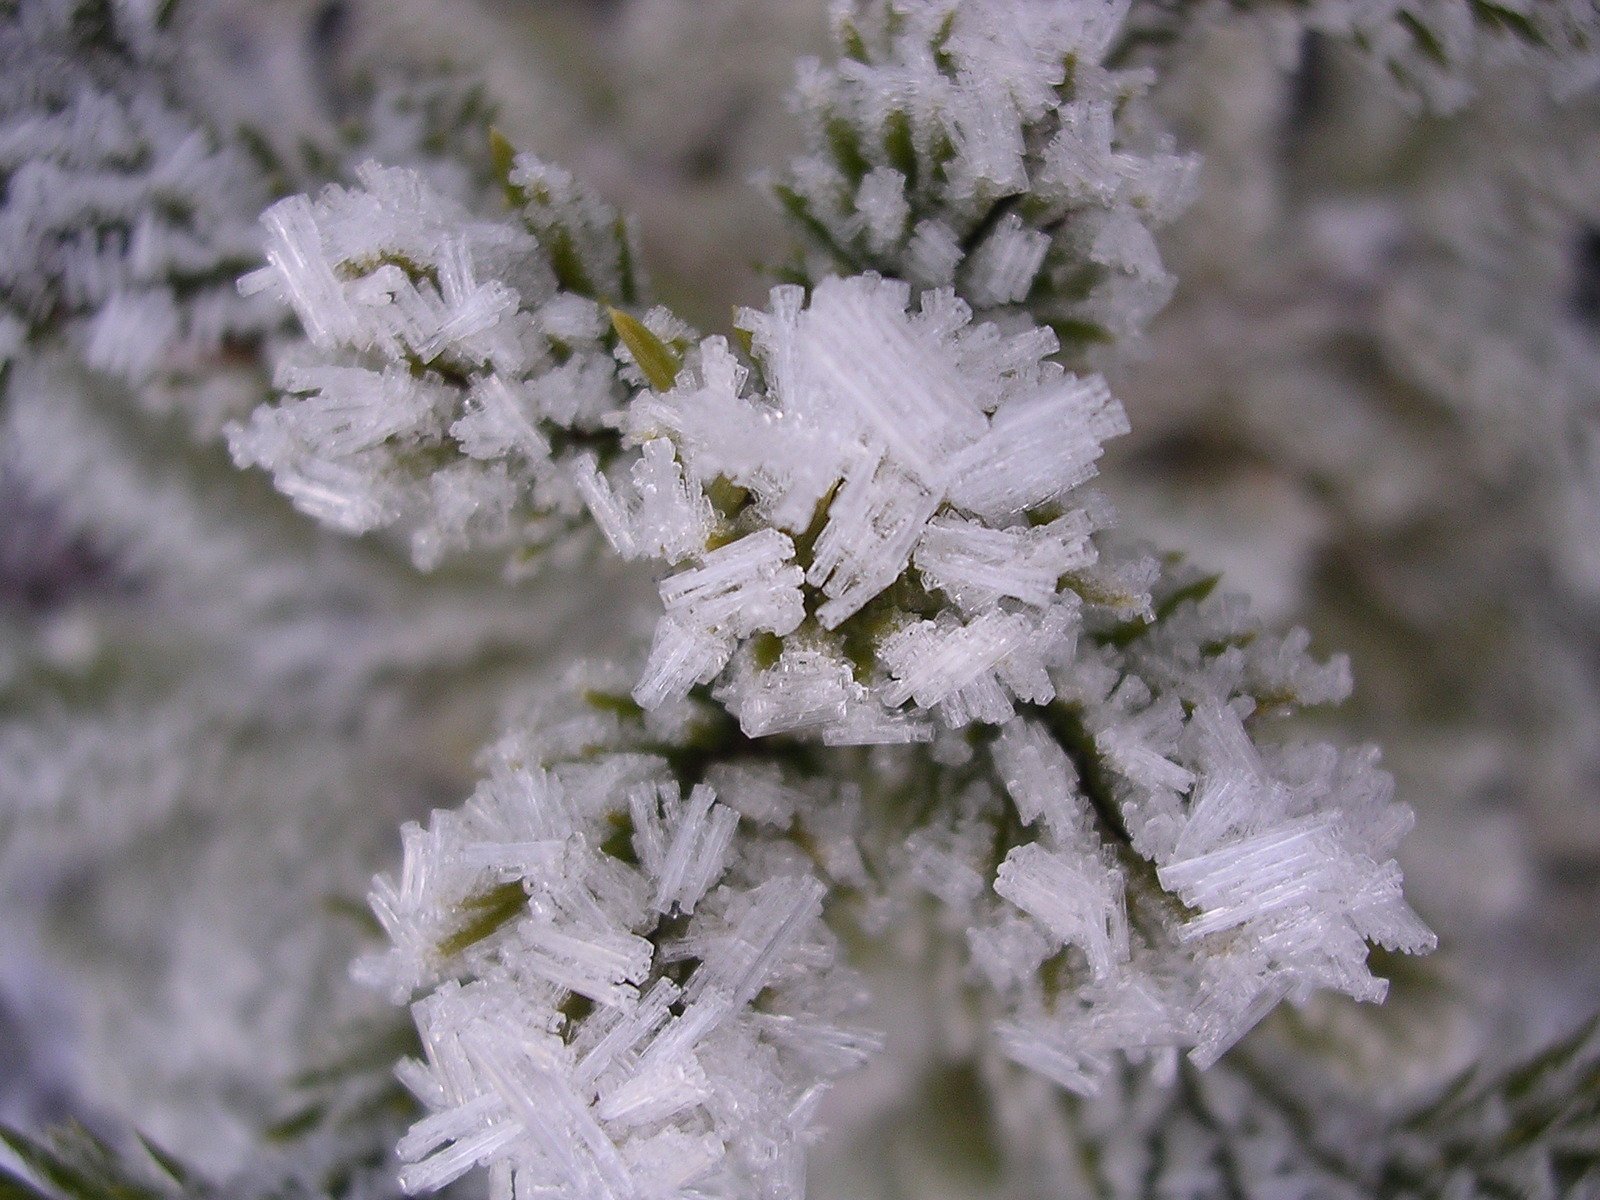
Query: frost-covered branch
point(456, 366)
point(126, 219)
point(909, 687)
point(1136, 871)
point(988, 148)
point(875, 506)
point(624, 988)
point(131, 210)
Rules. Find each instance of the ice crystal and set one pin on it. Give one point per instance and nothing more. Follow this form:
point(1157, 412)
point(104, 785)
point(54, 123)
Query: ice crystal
point(901, 513)
point(625, 987)
point(452, 368)
point(1141, 865)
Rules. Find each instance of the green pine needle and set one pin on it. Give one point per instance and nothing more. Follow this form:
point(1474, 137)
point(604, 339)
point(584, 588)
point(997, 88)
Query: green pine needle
point(658, 361)
point(487, 913)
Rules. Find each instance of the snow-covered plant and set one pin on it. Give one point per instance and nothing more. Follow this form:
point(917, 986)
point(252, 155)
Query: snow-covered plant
point(897, 530)
point(126, 218)
point(910, 701)
point(877, 508)
point(455, 365)
point(130, 209)
point(628, 985)
point(993, 151)
point(652, 873)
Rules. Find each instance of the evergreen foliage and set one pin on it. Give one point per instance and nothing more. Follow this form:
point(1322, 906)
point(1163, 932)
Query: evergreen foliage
point(905, 697)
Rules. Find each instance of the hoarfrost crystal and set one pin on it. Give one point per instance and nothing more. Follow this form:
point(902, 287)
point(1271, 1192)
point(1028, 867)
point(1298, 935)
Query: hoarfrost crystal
point(910, 690)
point(985, 147)
point(889, 460)
point(448, 364)
point(624, 993)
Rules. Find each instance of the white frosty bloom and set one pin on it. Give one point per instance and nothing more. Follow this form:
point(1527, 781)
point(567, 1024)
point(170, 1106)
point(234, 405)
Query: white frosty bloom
point(125, 216)
point(898, 507)
point(451, 365)
point(623, 993)
point(983, 146)
point(1137, 872)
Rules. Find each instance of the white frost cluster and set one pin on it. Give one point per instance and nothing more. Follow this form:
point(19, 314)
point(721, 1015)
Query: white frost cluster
point(125, 219)
point(984, 146)
point(450, 365)
point(899, 505)
point(133, 194)
point(877, 531)
point(625, 992)
point(1170, 875)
